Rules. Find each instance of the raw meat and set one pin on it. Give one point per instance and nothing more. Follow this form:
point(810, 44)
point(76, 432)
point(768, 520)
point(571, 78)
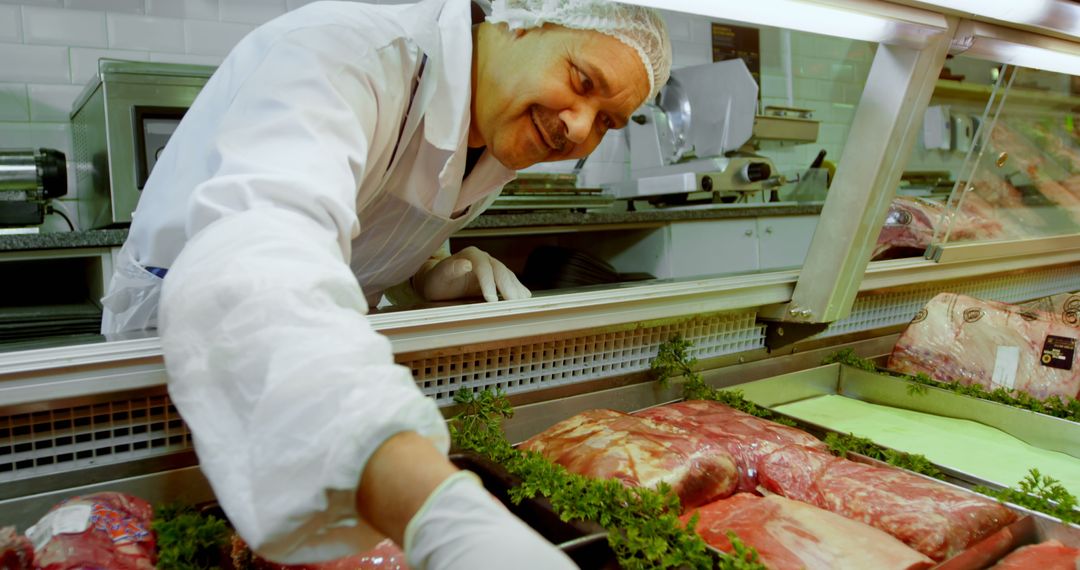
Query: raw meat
point(16, 552)
point(103, 530)
point(930, 517)
point(745, 437)
point(789, 534)
point(606, 444)
point(911, 223)
point(385, 556)
point(1049, 555)
point(961, 339)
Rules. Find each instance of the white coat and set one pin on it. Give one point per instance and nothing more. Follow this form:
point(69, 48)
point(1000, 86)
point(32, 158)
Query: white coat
point(313, 160)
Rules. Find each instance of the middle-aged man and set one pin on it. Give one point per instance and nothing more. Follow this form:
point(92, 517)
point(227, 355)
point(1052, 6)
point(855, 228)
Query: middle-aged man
point(335, 149)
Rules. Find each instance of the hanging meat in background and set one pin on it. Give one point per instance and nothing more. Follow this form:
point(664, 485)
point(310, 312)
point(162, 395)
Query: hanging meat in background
point(605, 444)
point(103, 530)
point(935, 519)
point(747, 438)
point(956, 338)
point(790, 535)
point(1045, 174)
point(16, 552)
point(911, 224)
point(1049, 555)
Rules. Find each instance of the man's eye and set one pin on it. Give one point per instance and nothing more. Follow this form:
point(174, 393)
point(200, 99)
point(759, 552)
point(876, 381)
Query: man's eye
point(586, 83)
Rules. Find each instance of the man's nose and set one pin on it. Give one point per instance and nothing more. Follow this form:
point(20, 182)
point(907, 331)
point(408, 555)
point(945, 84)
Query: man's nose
point(579, 122)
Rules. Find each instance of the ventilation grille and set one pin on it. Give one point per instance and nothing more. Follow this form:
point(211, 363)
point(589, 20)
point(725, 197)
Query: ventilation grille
point(899, 307)
point(574, 359)
point(53, 441)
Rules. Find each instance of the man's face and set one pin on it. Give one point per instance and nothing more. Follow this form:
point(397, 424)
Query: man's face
point(551, 93)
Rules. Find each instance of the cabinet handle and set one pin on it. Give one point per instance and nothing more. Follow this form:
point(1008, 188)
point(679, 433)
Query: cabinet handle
point(768, 230)
point(749, 233)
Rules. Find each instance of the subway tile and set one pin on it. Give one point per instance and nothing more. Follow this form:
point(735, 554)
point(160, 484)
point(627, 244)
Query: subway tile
point(84, 62)
point(34, 64)
point(251, 11)
point(128, 6)
point(81, 28)
point(52, 3)
point(145, 33)
point(36, 135)
point(184, 9)
point(678, 25)
point(189, 58)
point(10, 24)
point(13, 102)
point(213, 38)
point(52, 102)
point(773, 85)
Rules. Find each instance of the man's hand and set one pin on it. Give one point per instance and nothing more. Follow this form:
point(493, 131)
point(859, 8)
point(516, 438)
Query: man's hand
point(469, 273)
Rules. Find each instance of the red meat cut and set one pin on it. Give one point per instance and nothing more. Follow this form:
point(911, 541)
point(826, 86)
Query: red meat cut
point(792, 535)
point(1049, 555)
point(16, 552)
point(747, 438)
point(385, 556)
point(911, 223)
point(605, 444)
point(956, 338)
point(103, 530)
point(935, 519)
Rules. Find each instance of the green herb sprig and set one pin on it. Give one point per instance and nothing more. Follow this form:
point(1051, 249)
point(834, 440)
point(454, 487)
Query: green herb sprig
point(840, 444)
point(643, 525)
point(187, 539)
point(1067, 408)
point(1040, 493)
point(673, 360)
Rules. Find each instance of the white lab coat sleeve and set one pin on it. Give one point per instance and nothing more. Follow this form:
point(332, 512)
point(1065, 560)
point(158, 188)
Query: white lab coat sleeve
point(285, 386)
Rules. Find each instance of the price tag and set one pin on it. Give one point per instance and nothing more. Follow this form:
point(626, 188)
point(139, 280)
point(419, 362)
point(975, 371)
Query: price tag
point(1005, 366)
point(1058, 352)
point(64, 520)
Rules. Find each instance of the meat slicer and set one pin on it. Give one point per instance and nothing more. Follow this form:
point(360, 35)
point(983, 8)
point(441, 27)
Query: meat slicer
point(687, 146)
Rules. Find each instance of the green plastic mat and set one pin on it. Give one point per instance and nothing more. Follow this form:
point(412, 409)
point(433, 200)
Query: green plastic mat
point(967, 446)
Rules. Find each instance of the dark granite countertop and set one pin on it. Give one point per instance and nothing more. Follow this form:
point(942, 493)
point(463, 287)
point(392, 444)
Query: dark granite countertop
point(110, 238)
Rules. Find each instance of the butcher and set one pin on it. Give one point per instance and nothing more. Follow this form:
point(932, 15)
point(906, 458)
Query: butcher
point(324, 164)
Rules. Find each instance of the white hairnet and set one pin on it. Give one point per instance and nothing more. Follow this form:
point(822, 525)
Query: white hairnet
point(640, 28)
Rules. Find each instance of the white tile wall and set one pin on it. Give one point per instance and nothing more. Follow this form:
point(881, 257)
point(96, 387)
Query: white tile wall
point(13, 103)
point(10, 24)
point(64, 27)
point(127, 31)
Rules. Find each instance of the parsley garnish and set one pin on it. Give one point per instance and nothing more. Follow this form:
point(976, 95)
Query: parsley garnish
point(840, 444)
point(643, 525)
point(1040, 493)
point(188, 540)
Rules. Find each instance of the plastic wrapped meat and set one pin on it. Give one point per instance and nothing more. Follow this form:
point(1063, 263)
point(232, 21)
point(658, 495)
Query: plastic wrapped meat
point(1049, 555)
point(910, 225)
point(16, 552)
point(745, 437)
point(1065, 307)
point(930, 517)
point(961, 339)
point(385, 556)
point(792, 535)
point(103, 530)
point(605, 444)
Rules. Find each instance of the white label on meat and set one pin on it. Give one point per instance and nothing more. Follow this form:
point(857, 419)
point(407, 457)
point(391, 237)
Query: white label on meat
point(1005, 366)
point(66, 519)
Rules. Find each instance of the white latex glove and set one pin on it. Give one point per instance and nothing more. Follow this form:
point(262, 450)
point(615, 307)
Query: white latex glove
point(469, 273)
point(463, 527)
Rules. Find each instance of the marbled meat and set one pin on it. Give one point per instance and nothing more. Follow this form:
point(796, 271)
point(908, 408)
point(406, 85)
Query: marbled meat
point(1049, 555)
point(930, 517)
point(961, 339)
point(605, 444)
point(16, 552)
point(747, 438)
point(792, 535)
point(103, 530)
point(385, 556)
point(911, 223)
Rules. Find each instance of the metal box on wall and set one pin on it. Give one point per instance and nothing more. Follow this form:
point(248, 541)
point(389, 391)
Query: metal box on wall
point(120, 123)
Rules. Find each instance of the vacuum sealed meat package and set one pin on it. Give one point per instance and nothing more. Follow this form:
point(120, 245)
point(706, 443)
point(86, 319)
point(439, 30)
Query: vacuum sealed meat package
point(605, 444)
point(1049, 555)
point(16, 552)
point(792, 535)
point(935, 519)
point(102, 530)
point(956, 338)
point(747, 438)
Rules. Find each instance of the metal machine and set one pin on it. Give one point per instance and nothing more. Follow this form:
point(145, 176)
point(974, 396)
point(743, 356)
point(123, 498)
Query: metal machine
point(688, 145)
point(29, 178)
